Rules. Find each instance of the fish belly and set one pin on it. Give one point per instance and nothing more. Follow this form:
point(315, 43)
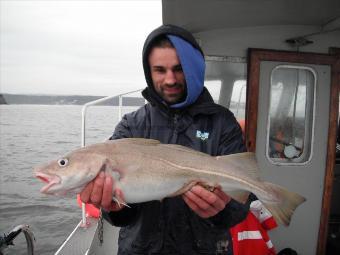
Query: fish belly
point(145, 191)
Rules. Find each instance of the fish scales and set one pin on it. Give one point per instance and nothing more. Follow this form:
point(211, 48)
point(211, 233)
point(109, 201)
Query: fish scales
point(192, 164)
point(147, 170)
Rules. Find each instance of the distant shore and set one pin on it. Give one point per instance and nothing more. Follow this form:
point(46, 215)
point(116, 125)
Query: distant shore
point(64, 100)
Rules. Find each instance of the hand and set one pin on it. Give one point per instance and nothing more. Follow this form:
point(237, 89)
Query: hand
point(204, 202)
point(99, 192)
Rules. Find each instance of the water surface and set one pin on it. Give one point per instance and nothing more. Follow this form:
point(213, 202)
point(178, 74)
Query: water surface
point(31, 135)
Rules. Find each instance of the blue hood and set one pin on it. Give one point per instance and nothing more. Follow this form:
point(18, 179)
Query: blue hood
point(193, 66)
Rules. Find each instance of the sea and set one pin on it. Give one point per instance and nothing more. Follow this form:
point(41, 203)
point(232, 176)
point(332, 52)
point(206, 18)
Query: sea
point(31, 135)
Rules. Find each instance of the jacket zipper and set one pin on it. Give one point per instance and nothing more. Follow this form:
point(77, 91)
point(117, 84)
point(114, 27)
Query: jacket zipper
point(175, 119)
point(175, 133)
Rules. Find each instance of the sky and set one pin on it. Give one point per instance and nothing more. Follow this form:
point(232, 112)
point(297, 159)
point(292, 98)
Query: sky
point(74, 47)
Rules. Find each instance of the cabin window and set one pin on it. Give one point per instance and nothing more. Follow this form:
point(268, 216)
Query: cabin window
point(238, 96)
point(291, 111)
point(238, 99)
point(214, 87)
point(225, 78)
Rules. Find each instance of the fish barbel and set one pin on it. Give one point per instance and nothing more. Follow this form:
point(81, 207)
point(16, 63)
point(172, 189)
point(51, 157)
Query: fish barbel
point(146, 170)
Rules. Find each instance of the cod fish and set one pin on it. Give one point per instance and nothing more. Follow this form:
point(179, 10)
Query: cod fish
point(146, 170)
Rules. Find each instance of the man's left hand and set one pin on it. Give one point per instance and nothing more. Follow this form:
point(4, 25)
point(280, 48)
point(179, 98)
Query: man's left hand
point(204, 202)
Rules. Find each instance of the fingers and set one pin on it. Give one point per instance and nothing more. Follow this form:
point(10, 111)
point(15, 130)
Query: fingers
point(205, 203)
point(106, 200)
point(225, 198)
point(211, 199)
point(198, 205)
point(97, 191)
point(86, 193)
point(119, 196)
point(100, 191)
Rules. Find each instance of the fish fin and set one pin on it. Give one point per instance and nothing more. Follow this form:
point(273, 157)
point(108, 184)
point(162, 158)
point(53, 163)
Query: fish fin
point(108, 169)
point(141, 141)
point(184, 189)
point(117, 172)
point(106, 166)
point(240, 196)
point(244, 162)
point(120, 202)
point(287, 201)
point(208, 186)
point(181, 148)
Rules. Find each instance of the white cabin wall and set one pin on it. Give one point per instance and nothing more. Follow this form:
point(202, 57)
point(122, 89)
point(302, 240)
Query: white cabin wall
point(236, 41)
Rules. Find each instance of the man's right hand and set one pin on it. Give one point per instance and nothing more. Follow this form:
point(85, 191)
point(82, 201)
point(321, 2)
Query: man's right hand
point(99, 192)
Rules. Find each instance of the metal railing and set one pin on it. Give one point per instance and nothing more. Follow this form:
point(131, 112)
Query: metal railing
point(83, 126)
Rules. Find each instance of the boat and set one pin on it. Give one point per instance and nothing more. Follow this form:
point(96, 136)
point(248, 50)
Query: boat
point(276, 65)
point(7, 240)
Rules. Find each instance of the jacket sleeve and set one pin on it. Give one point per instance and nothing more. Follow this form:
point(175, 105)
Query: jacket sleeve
point(122, 129)
point(232, 214)
point(125, 216)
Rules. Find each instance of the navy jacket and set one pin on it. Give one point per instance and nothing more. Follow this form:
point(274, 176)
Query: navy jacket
point(170, 226)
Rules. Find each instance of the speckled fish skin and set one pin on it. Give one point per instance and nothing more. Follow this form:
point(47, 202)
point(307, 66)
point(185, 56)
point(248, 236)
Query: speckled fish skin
point(147, 170)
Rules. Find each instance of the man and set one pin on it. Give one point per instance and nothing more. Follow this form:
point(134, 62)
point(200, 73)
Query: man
point(180, 111)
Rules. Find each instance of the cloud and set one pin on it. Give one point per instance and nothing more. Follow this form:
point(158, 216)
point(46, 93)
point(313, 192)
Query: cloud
point(74, 47)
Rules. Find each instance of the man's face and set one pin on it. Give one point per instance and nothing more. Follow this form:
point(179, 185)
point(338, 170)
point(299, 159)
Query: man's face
point(167, 74)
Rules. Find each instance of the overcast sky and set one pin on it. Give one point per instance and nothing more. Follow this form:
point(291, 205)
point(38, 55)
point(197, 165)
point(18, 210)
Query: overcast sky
point(73, 46)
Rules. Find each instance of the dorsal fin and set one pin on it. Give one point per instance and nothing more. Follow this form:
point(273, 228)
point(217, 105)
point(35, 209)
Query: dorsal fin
point(185, 149)
point(141, 141)
point(244, 162)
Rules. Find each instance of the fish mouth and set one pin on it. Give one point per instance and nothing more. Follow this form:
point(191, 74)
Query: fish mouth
point(51, 180)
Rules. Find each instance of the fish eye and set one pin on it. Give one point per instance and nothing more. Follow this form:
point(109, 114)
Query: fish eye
point(63, 162)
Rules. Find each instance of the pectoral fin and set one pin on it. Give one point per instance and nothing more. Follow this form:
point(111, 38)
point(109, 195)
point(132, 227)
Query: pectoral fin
point(120, 202)
point(107, 166)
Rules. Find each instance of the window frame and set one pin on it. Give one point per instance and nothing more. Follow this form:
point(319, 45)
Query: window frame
point(307, 134)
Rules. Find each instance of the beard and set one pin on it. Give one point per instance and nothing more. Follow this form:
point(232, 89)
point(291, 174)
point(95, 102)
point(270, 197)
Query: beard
point(172, 93)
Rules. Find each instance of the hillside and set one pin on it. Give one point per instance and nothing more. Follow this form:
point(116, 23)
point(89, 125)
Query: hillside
point(63, 100)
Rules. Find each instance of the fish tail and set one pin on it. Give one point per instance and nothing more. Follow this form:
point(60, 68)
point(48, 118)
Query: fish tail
point(284, 205)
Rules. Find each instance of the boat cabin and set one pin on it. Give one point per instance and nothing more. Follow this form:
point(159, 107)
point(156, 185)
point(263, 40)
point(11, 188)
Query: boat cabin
point(276, 65)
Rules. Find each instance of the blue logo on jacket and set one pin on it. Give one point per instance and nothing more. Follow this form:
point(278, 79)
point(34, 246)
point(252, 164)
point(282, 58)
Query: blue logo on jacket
point(202, 135)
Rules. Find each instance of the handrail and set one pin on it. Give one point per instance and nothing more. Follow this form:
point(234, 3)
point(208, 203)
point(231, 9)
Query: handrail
point(83, 122)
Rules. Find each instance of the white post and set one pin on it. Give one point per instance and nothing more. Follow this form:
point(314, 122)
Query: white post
point(83, 120)
point(120, 106)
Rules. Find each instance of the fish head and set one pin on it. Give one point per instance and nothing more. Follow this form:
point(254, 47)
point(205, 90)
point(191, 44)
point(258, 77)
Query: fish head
point(70, 173)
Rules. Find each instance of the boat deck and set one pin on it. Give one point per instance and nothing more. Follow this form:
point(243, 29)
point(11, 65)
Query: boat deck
point(88, 240)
